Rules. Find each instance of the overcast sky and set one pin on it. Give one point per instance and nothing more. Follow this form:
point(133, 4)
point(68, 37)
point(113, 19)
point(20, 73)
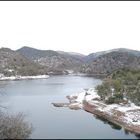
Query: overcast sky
point(81, 26)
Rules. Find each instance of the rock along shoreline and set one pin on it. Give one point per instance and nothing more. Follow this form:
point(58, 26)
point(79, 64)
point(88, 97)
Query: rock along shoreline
point(126, 116)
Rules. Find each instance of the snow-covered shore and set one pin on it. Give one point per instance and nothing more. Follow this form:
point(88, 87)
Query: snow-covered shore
point(125, 115)
point(18, 77)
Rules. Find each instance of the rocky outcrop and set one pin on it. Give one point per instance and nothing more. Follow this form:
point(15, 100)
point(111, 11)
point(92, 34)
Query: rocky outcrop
point(116, 116)
point(123, 115)
point(61, 104)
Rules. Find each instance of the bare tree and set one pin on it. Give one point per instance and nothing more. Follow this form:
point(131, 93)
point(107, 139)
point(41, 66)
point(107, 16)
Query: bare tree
point(14, 126)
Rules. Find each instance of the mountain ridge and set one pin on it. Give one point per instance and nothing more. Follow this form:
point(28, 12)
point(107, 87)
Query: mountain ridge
point(60, 62)
point(54, 60)
point(13, 63)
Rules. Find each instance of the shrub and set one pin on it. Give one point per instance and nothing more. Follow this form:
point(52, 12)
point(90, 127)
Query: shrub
point(110, 100)
point(14, 127)
point(126, 80)
point(118, 96)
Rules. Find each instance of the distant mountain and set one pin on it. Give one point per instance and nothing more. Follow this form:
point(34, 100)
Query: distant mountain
point(93, 56)
point(129, 51)
point(108, 61)
point(34, 54)
point(73, 54)
point(104, 62)
point(12, 63)
point(54, 60)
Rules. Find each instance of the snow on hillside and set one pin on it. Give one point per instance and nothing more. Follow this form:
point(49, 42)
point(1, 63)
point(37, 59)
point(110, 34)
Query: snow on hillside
point(18, 77)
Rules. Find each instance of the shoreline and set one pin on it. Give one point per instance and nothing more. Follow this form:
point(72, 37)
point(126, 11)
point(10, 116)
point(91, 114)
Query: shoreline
point(126, 116)
point(114, 118)
point(19, 77)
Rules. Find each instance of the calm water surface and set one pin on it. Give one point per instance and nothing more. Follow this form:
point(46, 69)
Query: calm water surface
point(34, 98)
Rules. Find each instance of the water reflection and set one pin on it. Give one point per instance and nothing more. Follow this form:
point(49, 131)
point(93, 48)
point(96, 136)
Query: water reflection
point(105, 121)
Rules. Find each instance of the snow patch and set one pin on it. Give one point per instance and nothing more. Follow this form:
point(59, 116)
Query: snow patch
point(81, 97)
point(18, 77)
point(88, 95)
point(91, 95)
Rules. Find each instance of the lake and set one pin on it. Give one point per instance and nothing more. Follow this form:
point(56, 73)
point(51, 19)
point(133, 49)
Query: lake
point(34, 98)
